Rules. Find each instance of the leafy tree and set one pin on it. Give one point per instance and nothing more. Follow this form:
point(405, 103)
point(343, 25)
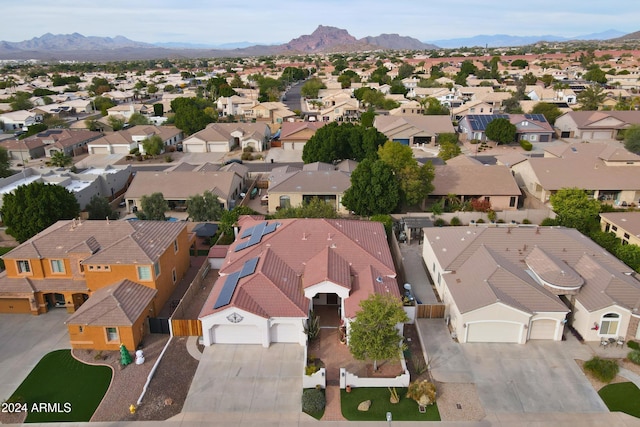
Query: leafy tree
point(591, 98)
point(405, 70)
point(373, 334)
point(61, 160)
point(433, 107)
point(115, 123)
point(335, 141)
point(158, 110)
point(229, 218)
point(314, 208)
point(630, 255)
point(574, 209)
point(374, 189)
point(607, 240)
point(189, 114)
point(99, 208)
point(138, 119)
point(5, 163)
point(380, 76)
point(550, 111)
point(512, 106)
point(153, 207)
point(153, 145)
point(102, 104)
point(205, 207)
point(34, 207)
point(20, 101)
point(520, 63)
point(449, 150)
point(414, 181)
point(501, 131)
point(367, 118)
point(34, 129)
point(632, 139)
point(596, 75)
point(311, 88)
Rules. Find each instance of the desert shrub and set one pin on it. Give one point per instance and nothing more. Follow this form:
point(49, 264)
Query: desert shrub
point(246, 156)
point(168, 158)
point(455, 221)
point(439, 222)
point(634, 356)
point(419, 364)
point(633, 345)
point(480, 221)
point(474, 141)
point(526, 145)
point(247, 149)
point(548, 222)
point(500, 221)
point(603, 369)
point(492, 215)
point(526, 221)
point(313, 400)
point(311, 369)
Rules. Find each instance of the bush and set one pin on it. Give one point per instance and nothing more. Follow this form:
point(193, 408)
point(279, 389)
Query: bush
point(526, 145)
point(634, 356)
point(168, 158)
point(439, 222)
point(480, 221)
point(633, 345)
point(526, 221)
point(246, 156)
point(474, 141)
point(248, 149)
point(455, 221)
point(313, 401)
point(548, 222)
point(603, 369)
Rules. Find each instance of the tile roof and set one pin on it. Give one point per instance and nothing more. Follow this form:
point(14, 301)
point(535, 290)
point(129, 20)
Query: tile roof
point(389, 125)
point(103, 242)
point(313, 182)
point(455, 177)
point(630, 221)
point(473, 256)
point(120, 304)
point(300, 253)
point(180, 185)
point(289, 129)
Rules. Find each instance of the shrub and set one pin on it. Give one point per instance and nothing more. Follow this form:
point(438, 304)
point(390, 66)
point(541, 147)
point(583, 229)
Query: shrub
point(634, 356)
point(313, 400)
point(474, 141)
point(455, 221)
point(548, 222)
point(633, 345)
point(311, 369)
point(419, 364)
point(439, 222)
point(500, 221)
point(168, 158)
point(492, 215)
point(480, 221)
point(526, 145)
point(246, 156)
point(603, 369)
point(248, 149)
point(526, 221)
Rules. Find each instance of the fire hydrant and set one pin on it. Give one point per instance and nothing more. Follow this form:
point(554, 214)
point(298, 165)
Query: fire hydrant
point(132, 408)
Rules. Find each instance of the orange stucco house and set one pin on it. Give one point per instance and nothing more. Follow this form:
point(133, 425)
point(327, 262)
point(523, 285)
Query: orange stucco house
point(70, 262)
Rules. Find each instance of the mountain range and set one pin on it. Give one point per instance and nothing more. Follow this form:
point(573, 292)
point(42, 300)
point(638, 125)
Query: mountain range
point(324, 39)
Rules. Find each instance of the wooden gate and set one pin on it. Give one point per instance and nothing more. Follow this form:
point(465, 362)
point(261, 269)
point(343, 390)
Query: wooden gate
point(186, 328)
point(430, 311)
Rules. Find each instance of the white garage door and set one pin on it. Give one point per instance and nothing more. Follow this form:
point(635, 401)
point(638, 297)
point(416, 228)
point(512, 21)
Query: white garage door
point(284, 332)
point(543, 329)
point(99, 150)
point(193, 148)
point(493, 332)
point(236, 334)
point(121, 149)
point(218, 147)
point(601, 135)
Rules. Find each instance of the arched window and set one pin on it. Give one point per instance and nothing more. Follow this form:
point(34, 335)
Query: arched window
point(285, 202)
point(609, 324)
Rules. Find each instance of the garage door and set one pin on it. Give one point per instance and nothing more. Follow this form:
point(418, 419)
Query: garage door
point(283, 332)
point(218, 148)
point(193, 148)
point(236, 334)
point(602, 135)
point(99, 150)
point(15, 305)
point(543, 329)
point(494, 332)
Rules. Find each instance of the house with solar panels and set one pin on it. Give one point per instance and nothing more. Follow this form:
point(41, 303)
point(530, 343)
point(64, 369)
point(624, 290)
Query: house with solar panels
point(529, 127)
point(276, 272)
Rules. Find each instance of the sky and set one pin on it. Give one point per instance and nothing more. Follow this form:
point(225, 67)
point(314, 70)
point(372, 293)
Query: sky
point(215, 22)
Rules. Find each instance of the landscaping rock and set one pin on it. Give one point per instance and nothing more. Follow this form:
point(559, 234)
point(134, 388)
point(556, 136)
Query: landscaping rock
point(364, 406)
point(168, 401)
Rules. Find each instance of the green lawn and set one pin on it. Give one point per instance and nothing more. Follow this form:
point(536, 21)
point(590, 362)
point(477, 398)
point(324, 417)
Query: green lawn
point(622, 397)
point(405, 410)
point(70, 390)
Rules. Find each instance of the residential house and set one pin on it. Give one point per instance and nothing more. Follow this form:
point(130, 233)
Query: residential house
point(19, 120)
point(477, 107)
point(551, 95)
point(272, 112)
point(23, 149)
point(607, 173)
point(515, 284)
point(277, 271)
point(131, 267)
point(223, 137)
point(122, 142)
point(469, 180)
point(177, 186)
point(119, 96)
point(410, 107)
point(294, 135)
point(413, 130)
point(234, 105)
point(595, 125)
point(290, 187)
point(125, 111)
point(625, 225)
point(69, 142)
point(345, 110)
point(529, 127)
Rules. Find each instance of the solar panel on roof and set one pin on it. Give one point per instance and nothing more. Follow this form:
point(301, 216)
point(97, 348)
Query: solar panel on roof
point(248, 232)
point(256, 236)
point(249, 267)
point(227, 290)
point(240, 246)
point(271, 228)
point(256, 232)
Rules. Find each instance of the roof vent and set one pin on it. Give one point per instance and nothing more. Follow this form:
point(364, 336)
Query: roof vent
point(379, 279)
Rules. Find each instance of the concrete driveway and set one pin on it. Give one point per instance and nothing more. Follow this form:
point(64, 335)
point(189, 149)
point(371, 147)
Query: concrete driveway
point(247, 379)
point(25, 339)
point(537, 377)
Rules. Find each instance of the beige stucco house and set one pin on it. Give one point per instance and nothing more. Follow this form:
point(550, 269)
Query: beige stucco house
point(625, 225)
point(413, 130)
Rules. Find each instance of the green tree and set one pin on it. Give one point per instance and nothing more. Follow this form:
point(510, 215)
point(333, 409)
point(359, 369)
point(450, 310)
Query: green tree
point(520, 63)
point(367, 118)
point(314, 208)
point(34, 129)
point(449, 150)
point(374, 189)
point(574, 208)
point(34, 207)
point(115, 123)
point(596, 75)
point(311, 88)
point(630, 255)
point(501, 131)
point(61, 160)
point(591, 98)
point(20, 101)
point(158, 110)
point(405, 70)
point(153, 145)
point(632, 139)
point(138, 119)
point(550, 111)
point(99, 208)
point(5, 163)
point(153, 207)
point(341, 141)
point(189, 114)
point(373, 334)
point(433, 107)
point(102, 104)
point(205, 207)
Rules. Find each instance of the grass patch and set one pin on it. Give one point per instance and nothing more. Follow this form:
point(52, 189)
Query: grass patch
point(622, 397)
point(405, 410)
point(58, 378)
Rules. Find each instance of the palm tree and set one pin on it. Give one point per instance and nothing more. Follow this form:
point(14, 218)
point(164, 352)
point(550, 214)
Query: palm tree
point(591, 97)
point(60, 159)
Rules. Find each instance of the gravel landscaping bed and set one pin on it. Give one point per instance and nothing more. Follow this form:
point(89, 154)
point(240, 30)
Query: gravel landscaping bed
point(597, 384)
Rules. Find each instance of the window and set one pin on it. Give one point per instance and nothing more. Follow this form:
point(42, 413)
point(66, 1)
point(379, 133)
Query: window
point(156, 269)
point(285, 202)
point(609, 324)
point(174, 276)
point(144, 272)
point(512, 202)
point(487, 199)
point(23, 266)
point(57, 266)
point(614, 228)
point(112, 334)
point(175, 246)
point(81, 329)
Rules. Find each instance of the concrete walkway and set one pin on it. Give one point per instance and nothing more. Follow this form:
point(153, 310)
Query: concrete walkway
point(415, 273)
point(192, 347)
point(631, 376)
